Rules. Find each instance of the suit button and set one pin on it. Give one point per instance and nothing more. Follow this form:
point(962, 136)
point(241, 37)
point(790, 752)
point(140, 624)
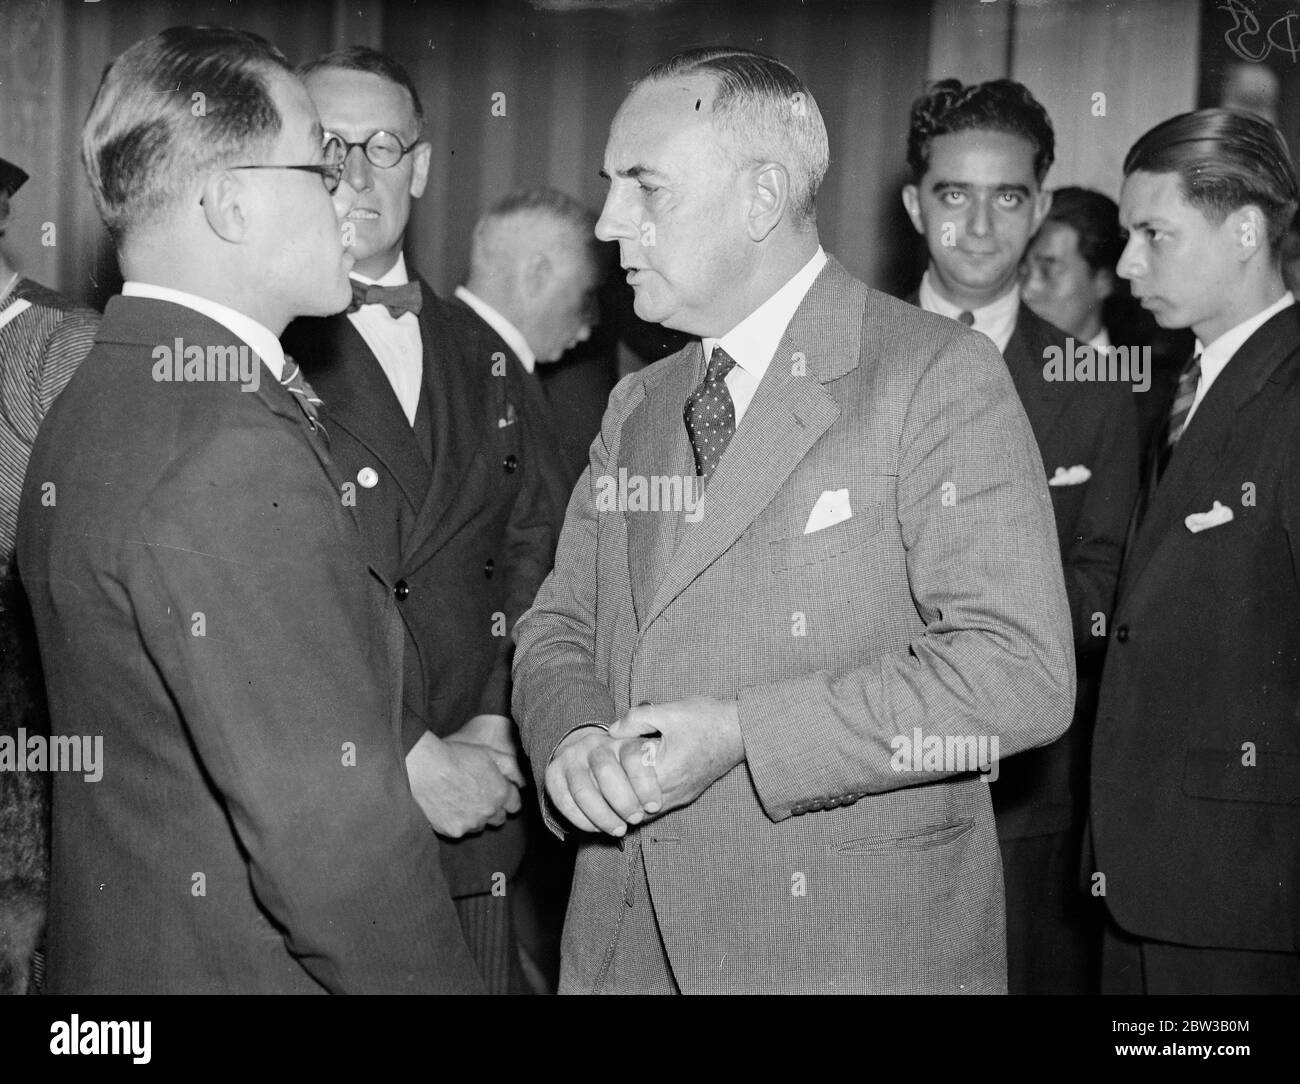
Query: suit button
point(1121, 634)
point(510, 463)
point(489, 566)
point(400, 590)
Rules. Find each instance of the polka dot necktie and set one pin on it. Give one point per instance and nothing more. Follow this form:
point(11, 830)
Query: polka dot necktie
point(711, 415)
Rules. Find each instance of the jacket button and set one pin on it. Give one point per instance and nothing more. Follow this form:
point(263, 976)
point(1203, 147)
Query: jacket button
point(1121, 634)
point(489, 566)
point(400, 590)
point(510, 463)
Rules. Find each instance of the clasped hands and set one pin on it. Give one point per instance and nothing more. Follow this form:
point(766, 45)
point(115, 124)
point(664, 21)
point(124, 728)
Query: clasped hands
point(656, 758)
point(469, 780)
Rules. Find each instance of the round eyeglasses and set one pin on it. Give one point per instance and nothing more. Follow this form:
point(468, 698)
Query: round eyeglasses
point(383, 150)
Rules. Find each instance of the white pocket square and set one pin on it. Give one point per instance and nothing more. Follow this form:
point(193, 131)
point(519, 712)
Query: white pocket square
point(509, 419)
point(1203, 521)
point(832, 507)
point(1073, 476)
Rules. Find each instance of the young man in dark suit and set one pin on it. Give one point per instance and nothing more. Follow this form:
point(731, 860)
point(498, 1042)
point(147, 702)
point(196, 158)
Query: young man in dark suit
point(440, 449)
point(1196, 762)
point(207, 619)
point(979, 155)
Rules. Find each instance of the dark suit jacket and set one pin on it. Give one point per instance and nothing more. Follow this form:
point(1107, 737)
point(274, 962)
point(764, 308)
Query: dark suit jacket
point(1196, 760)
point(914, 612)
point(203, 605)
point(466, 539)
point(482, 343)
point(1094, 425)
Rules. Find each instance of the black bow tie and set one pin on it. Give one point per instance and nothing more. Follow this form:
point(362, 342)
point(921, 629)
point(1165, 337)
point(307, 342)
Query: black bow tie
point(396, 299)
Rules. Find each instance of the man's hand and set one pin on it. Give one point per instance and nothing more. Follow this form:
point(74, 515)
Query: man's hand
point(602, 784)
point(495, 733)
point(459, 786)
point(698, 741)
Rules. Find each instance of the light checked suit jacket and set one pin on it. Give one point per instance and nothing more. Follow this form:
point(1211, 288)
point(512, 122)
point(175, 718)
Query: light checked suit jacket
point(939, 605)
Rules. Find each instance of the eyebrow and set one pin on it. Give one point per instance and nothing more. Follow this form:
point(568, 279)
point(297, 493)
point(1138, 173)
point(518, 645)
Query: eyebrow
point(1018, 188)
point(634, 173)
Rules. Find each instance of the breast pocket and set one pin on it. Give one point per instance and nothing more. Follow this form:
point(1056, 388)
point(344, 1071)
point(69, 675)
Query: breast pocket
point(807, 549)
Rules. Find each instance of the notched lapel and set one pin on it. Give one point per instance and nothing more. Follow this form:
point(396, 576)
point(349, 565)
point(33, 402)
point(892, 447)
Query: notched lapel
point(789, 414)
point(654, 443)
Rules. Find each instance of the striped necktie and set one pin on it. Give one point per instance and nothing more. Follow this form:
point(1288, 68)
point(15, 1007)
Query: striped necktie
point(711, 415)
point(306, 399)
point(1183, 400)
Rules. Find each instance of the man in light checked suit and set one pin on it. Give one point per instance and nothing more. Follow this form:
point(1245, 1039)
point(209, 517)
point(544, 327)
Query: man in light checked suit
point(719, 697)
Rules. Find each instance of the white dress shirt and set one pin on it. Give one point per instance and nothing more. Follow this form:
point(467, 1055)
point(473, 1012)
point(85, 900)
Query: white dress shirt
point(394, 342)
point(997, 319)
point(258, 337)
point(1101, 341)
point(513, 336)
point(754, 340)
point(1215, 357)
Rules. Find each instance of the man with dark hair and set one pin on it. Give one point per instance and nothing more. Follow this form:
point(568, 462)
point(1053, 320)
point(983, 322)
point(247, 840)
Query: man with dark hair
point(442, 456)
point(1068, 279)
point(1069, 269)
point(808, 547)
point(215, 647)
point(1194, 772)
point(979, 155)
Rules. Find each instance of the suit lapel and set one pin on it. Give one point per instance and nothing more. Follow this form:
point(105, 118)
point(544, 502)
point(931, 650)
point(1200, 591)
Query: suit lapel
point(1043, 402)
point(360, 400)
point(655, 443)
point(790, 413)
point(1205, 447)
point(459, 384)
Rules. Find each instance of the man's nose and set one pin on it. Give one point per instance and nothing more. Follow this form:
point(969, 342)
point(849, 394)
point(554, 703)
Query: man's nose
point(1131, 264)
point(980, 222)
point(1031, 281)
point(614, 224)
point(357, 170)
point(345, 198)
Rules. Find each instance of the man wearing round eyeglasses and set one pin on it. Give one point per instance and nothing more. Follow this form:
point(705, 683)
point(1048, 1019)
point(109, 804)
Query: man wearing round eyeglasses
point(444, 459)
point(212, 637)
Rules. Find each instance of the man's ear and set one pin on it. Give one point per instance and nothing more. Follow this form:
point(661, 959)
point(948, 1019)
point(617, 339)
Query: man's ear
point(536, 273)
point(420, 170)
point(912, 204)
point(769, 199)
point(1250, 232)
point(1042, 204)
point(1104, 277)
point(223, 206)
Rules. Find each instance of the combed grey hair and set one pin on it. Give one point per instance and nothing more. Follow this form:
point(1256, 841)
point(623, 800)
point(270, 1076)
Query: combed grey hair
point(764, 113)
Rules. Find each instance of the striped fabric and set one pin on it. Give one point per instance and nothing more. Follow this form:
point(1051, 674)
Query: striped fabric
point(40, 349)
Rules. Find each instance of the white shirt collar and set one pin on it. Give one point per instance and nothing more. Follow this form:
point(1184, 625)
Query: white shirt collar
point(394, 276)
point(1215, 356)
point(753, 341)
point(997, 319)
point(513, 336)
point(265, 345)
point(1100, 341)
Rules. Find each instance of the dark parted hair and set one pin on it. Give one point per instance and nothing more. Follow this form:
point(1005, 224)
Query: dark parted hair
point(1224, 160)
point(172, 108)
point(1095, 218)
point(763, 111)
point(362, 58)
point(1000, 105)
